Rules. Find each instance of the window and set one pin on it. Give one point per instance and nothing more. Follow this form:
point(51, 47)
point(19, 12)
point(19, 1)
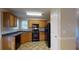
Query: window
point(24, 24)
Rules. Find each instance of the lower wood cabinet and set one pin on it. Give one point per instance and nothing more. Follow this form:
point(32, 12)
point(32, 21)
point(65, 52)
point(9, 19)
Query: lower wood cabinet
point(26, 37)
point(8, 43)
point(11, 42)
point(42, 36)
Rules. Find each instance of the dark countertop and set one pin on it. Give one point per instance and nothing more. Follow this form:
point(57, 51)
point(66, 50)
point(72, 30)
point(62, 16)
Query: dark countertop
point(13, 31)
point(17, 32)
point(12, 34)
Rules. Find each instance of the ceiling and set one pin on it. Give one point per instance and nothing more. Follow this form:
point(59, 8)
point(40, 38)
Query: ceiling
point(21, 12)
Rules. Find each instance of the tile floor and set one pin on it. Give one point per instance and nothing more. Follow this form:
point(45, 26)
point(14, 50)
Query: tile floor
point(40, 45)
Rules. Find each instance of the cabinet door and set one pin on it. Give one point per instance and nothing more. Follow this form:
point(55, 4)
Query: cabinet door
point(42, 23)
point(9, 20)
point(5, 19)
point(5, 43)
point(15, 21)
point(26, 37)
point(12, 43)
point(8, 43)
point(42, 36)
point(12, 21)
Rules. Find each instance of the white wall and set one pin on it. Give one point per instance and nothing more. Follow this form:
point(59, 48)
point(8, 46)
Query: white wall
point(77, 29)
point(68, 28)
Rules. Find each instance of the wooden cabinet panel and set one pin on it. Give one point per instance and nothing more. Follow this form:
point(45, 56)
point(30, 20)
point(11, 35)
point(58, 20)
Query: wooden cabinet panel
point(12, 43)
point(9, 20)
point(26, 37)
point(5, 19)
point(42, 23)
point(8, 43)
point(30, 36)
point(42, 36)
point(12, 21)
point(5, 43)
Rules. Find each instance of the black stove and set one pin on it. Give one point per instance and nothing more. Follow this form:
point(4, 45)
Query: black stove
point(35, 32)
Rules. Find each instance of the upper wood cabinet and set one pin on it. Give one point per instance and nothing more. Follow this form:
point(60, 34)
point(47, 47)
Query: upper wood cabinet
point(42, 23)
point(13, 21)
point(9, 20)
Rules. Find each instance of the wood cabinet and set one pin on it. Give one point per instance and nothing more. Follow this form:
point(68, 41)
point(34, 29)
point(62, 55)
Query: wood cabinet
point(13, 21)
point(5, 17)
point(42, 36)
point(11, 41)
point(42, 23)
point(9, 20)
point(8, 43)
point(26, 37)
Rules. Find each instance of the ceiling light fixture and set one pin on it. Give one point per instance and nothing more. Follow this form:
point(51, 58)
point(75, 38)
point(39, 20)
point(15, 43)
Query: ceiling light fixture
point(34, 13)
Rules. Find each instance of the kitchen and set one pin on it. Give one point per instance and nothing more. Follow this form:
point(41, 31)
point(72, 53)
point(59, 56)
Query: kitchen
point(23, 27)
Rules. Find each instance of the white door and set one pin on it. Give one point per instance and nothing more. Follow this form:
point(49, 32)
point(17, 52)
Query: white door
point(55, 29)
